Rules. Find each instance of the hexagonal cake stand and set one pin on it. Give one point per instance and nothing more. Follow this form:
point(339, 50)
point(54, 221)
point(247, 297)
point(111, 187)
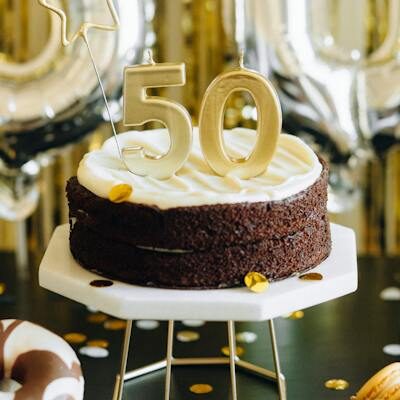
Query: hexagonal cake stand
point(61, 274)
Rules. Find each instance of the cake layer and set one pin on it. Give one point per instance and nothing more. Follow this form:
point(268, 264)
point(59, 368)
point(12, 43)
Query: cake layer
point(221, 267)
point(197, 228)
point(293, 168)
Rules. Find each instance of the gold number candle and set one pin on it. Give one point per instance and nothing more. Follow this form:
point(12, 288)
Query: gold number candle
point(140, 108)
point(211, 123)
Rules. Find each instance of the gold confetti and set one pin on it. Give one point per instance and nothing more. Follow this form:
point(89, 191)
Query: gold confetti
point(75, 338)
point(114, 324)
point(311, 276)
point(337, 384)
point(187, 336)
point(239, 351)
point(98, 343)
point(3, 288)
point(201, 388)
point(120, 193)
point(97, 318)
point(296, 315)
point(256, 282)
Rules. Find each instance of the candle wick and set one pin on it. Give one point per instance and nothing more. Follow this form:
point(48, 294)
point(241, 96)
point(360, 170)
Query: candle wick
point(241, 58)
point(150, 57)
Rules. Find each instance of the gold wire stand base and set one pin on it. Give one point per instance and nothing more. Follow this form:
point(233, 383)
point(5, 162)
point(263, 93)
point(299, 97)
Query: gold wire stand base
point(233, 361)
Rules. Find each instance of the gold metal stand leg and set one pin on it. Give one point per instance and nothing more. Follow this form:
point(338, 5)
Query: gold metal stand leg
point(233, 361)
point(232, 356)
point(280, 378)
point(120, 378)
point(170, 345)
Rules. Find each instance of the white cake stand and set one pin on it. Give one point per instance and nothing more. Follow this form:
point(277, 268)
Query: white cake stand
point(60, 273)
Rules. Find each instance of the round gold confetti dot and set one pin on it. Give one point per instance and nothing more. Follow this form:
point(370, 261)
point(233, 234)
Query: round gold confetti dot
point(3, 288)
point(187, 336)
point(239, 351)
point(115, 324)
point(296, 314)
point(97, 318)
point(256, 282)
point(337, 384)
point(75, 338)
point(311, 276)
point(97, 343)
point(120, 193)
point(201, 388)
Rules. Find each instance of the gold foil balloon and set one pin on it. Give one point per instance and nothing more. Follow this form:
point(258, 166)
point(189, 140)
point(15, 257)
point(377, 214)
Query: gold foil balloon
point(140, 108)
point(212, 116)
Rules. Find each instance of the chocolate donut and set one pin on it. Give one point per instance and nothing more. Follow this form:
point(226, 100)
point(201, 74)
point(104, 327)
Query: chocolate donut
point(45, 366)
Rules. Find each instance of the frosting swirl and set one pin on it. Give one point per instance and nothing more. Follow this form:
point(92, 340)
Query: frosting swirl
point(293, 168)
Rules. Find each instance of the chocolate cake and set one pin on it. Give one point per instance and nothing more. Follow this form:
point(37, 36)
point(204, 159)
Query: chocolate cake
point(196, 229)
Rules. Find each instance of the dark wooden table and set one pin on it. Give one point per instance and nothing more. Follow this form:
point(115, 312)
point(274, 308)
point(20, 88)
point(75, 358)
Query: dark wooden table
point(339, 339)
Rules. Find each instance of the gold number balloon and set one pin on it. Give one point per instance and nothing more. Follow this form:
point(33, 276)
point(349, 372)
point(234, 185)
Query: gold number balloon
point(211, 123)
point(140, 108)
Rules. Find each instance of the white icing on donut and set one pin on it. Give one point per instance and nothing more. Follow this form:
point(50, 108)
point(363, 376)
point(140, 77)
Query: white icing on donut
point(27, 337)
point(62, 386)
point(7, 322)
point(38, 346)
point(293, 168)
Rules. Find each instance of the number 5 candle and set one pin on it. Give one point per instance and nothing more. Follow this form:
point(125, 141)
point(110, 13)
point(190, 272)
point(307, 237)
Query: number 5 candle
point(140, 108)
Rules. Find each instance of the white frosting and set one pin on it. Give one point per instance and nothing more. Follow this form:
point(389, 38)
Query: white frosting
point(293, 168)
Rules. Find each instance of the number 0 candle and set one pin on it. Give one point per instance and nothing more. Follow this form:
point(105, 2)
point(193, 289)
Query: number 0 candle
point(211, 123)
